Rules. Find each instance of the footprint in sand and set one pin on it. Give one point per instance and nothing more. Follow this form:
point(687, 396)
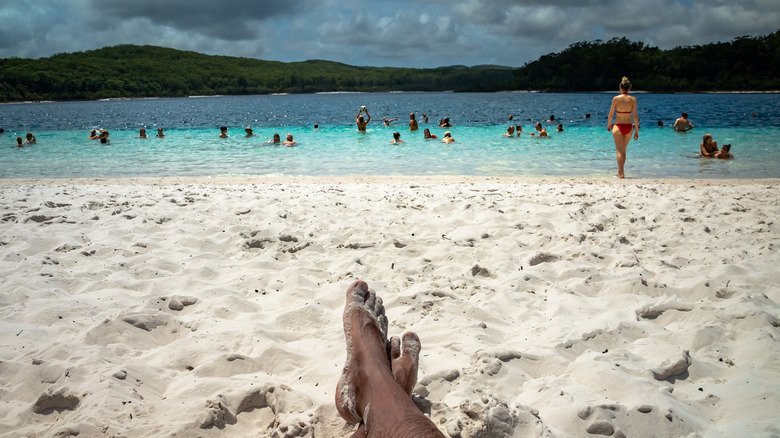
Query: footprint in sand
point(491, 417)
point(141, 331)
point(282, 412)
point(179, 303)
point(612, 419)
point(672, 367)
point(55, 400)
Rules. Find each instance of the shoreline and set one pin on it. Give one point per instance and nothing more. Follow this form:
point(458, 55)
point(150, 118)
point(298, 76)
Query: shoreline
point(110, 99)
point(425, 180)
point(546, 307)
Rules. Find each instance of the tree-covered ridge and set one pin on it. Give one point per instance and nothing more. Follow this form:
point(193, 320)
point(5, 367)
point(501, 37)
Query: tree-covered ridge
point(146, 71)
point(744, 64)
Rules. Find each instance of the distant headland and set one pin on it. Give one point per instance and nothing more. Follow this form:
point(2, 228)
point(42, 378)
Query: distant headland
point(129, 71)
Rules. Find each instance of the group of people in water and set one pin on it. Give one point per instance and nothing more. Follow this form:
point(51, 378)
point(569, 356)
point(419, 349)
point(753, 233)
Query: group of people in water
point(623, 112)
point(709, 149)
point(277, 139)
point(541, 131)
point(103, 134)
point(20, 142)
point(362, 123)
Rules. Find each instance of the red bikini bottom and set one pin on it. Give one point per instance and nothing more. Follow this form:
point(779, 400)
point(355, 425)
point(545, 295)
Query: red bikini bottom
point(625, 128)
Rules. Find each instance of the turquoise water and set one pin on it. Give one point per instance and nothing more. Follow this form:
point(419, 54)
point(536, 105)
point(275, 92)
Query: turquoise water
point(192, 148)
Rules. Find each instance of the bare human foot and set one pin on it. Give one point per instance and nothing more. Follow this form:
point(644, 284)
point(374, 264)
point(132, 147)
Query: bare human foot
point(405, 360)
point(369, 390)
point(365, 329)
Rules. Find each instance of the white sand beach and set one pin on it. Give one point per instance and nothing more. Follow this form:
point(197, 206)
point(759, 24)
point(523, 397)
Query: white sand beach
point(546, 308)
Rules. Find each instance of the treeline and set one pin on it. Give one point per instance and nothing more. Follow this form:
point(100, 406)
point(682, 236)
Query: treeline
point(148, 71)
point(744, 64)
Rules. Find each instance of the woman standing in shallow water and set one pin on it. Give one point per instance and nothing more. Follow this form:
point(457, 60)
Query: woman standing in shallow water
point(625, 107)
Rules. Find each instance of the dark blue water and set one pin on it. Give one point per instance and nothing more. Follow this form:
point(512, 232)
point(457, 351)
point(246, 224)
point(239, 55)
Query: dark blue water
point(191, 146)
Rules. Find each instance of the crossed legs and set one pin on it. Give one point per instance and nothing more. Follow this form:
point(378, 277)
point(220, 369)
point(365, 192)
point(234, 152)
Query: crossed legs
point(379, 374)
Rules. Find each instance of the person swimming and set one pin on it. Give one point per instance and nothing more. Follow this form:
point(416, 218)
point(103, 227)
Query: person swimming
point(708, 147)
point(682, 124)
point(541, 129)
point(427, 133)
point(289, 141)
point(448, 138)
point(724, 153)
point(388, 121)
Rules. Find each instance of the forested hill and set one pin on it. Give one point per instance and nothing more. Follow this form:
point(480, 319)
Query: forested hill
point(145, 71)
point(744, 64)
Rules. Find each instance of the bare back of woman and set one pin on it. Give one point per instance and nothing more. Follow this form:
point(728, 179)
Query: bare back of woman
point(624, 111)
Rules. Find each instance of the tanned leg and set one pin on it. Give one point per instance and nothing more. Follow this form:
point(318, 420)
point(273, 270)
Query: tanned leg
point(405, 363)
point(367, 389)
point(621, 144)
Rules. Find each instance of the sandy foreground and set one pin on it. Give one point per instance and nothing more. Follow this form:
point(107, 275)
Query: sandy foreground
point(546, 308)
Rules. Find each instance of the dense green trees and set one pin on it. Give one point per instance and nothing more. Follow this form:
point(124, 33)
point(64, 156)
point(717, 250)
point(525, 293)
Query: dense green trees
point(144, 71)
point(746, 63)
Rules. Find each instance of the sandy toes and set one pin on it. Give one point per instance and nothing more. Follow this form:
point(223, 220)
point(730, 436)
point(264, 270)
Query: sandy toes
point(405, 360)
point(365, 330)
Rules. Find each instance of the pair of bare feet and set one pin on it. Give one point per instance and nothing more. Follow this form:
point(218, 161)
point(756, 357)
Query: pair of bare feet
point(379, 374)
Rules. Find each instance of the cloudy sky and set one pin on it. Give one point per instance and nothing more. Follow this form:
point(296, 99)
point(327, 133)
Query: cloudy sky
point(401, 33)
